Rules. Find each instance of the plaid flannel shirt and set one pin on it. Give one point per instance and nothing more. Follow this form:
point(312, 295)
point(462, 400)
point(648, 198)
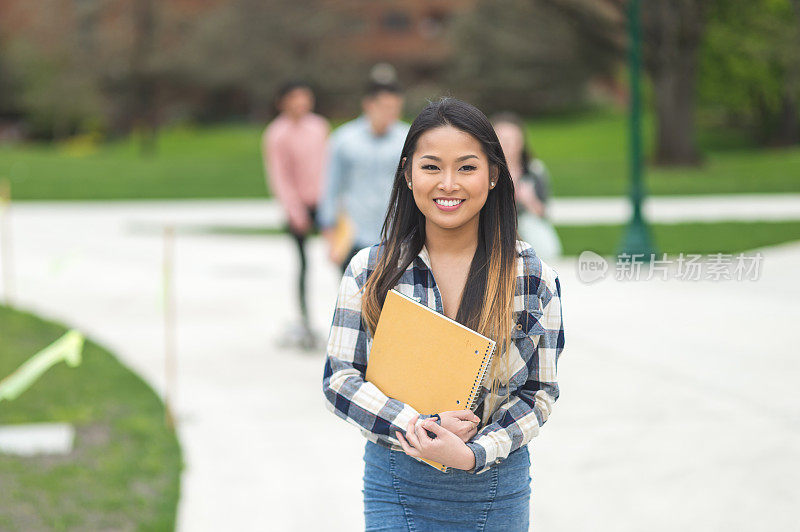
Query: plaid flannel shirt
point(538, 339)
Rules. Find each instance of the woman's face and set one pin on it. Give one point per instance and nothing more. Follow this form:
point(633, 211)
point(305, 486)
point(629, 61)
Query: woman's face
point(511, 140)
point(383, 110)
point(450, 177)
point(297, 102)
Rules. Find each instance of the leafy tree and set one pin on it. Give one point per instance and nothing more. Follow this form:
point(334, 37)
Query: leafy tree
point(751, 67)
point(523, 55)
point(48, 74)
point(242, 50)
point(672, 33)
point(56, 97)
point(129, 66)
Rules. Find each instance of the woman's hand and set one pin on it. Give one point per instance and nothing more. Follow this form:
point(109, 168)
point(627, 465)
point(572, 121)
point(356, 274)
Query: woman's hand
point(525, 193)
point(333, 254)
point(462, 423)
point(446, 448)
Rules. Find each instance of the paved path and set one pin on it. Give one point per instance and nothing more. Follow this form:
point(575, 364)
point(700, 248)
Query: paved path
point(196, 214)
point(672, 209)
point(679, 405)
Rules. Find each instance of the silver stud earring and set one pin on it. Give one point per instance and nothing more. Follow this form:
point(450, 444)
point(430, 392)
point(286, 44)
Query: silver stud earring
point(491, 184)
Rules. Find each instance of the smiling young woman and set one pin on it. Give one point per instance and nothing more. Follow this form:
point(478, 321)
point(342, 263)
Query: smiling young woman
point(449, 239)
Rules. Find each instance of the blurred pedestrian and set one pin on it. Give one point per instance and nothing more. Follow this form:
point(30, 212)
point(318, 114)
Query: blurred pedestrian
point(361, 167)
point(531, 186)
point(294, 147)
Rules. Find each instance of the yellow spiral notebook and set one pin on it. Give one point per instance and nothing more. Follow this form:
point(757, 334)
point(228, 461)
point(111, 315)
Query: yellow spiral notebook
point(425, 359)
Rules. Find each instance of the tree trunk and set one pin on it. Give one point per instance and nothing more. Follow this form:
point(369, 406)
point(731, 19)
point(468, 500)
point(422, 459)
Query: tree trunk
point(142, 82)
point(674, 87)
point(673, 32)
point(788, 132)
point(780, 128)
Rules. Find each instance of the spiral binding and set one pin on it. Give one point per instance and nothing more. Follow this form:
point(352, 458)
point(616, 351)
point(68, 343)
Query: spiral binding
point(487, 357)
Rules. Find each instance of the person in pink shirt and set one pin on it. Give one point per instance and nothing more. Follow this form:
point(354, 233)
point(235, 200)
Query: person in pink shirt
point(294, 147)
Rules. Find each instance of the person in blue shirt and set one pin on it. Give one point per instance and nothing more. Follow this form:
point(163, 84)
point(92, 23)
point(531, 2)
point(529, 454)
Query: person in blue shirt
point(362, 162)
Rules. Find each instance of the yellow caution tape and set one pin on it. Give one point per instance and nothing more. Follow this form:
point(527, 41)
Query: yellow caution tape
point(67, 348)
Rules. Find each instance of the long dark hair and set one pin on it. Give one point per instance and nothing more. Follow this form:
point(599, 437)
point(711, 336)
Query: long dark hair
point(487, 300)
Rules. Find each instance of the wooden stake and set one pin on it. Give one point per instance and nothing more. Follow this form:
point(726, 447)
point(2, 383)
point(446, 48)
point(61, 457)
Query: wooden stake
point(170, 362)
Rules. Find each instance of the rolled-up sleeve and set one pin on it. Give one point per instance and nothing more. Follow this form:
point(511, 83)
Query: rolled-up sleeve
point(540, 344)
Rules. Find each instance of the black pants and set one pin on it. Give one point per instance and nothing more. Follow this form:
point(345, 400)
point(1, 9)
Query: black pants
point(300, 239)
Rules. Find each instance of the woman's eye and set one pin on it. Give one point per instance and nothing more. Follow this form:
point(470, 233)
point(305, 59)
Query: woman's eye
point(468, 167)
point(430, 167)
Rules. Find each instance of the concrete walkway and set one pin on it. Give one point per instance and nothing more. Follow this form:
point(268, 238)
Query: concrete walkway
point(679, 405)
point(674, 209)
point(196, 214)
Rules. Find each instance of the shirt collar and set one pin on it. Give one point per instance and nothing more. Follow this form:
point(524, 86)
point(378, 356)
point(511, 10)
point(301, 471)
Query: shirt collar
point(424, 257)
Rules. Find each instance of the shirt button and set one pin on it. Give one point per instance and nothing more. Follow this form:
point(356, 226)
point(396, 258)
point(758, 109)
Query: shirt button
point(519, 326)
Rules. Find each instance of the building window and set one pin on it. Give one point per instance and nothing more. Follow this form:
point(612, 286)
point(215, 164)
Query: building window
point(433, 25)
point(395, 21)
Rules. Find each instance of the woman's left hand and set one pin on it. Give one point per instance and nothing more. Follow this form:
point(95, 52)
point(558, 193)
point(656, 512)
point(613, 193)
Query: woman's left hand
point(526, 194)
point(446, 448)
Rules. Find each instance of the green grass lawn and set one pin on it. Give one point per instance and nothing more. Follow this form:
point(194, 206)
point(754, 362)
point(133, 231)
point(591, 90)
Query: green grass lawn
point(189, 163)
point(123, 473)
point(700, 237)
point(586, 154)
point(673, 239)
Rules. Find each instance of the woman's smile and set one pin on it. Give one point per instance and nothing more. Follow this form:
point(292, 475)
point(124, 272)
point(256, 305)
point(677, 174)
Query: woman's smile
point(448, 204)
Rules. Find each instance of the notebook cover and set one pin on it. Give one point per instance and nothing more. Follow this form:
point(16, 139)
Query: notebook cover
point(425, 359)
point(343, 236)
